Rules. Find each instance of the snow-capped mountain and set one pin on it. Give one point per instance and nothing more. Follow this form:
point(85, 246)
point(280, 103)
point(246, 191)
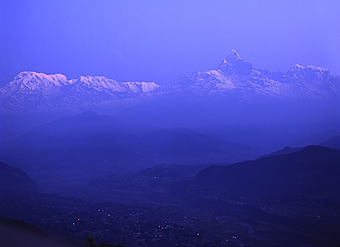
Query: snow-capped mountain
point(38, 91)
point(234, 79)
point(29, 83)
point(236, 75)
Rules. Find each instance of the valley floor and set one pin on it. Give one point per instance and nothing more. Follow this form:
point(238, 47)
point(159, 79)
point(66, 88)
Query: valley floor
point(161, 216)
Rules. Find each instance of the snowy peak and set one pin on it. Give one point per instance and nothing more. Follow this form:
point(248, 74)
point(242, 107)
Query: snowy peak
point(233, 56)
point(311, 75)
point(308, 70)
point(103, 83)
point(97, 83)
point(233, 64)
point(29, 77)
point(144, 87)
point(29, 82)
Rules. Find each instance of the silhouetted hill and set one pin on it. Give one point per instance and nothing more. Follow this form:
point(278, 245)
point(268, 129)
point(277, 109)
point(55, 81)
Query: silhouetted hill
point(314, 170)
point(285, 150)
point(15, 179)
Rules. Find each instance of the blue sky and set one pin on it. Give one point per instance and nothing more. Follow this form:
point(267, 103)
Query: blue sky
point(162, 41)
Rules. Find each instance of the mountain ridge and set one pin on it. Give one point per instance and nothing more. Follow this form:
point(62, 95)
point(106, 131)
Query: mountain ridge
point(234, 74)
point(32, 91)
point(311, 170)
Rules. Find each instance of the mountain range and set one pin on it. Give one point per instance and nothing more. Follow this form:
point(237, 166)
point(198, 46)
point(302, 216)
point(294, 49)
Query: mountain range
point(237, 101)
point(31, 91)
point(234, 78)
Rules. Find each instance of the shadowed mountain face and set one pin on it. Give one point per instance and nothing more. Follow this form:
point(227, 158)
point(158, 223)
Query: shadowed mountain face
point(314, 170)
point(13, 179)
point(96, 142)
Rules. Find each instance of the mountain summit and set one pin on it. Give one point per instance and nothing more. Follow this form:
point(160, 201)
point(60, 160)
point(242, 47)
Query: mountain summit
point(234, 64)
point(233, 56)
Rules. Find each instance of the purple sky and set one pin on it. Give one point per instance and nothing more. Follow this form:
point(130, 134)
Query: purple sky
point(162, 41)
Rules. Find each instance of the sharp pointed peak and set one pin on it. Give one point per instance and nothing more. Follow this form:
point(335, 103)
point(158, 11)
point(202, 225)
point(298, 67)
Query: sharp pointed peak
point(233, 56)
point(298, 66)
